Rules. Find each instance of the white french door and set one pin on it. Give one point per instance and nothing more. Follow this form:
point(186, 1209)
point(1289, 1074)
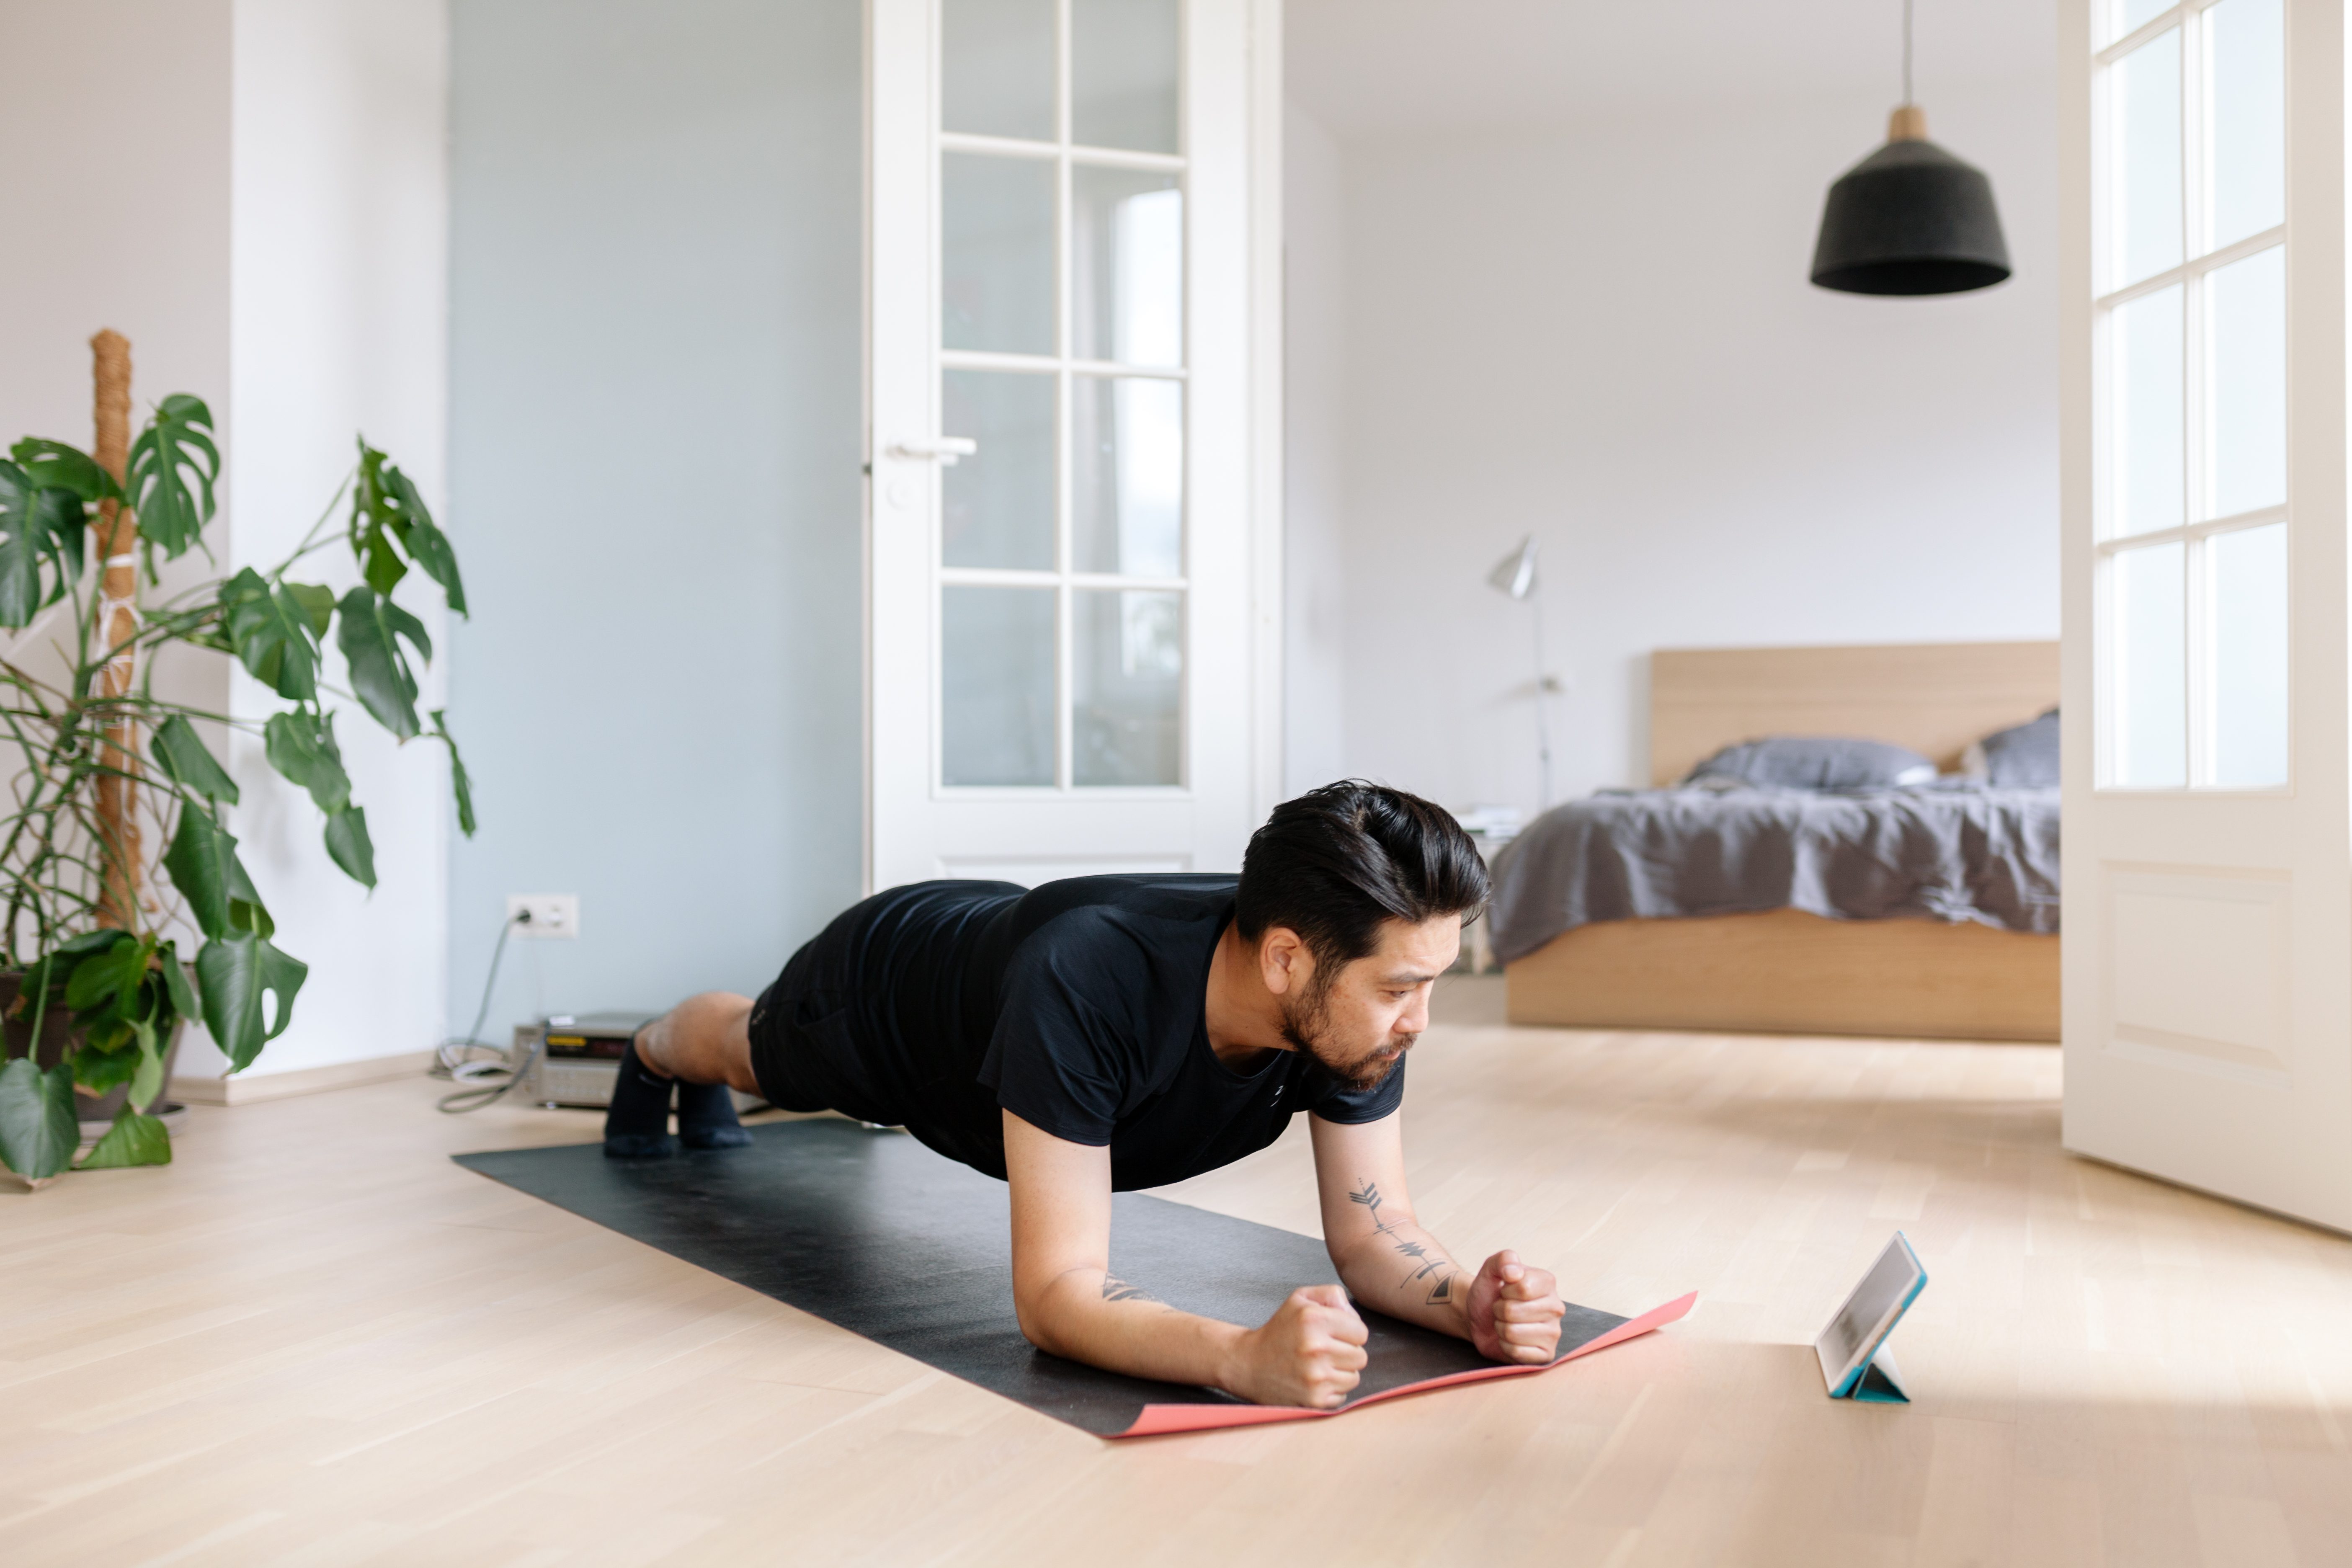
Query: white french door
point(2208, 864)
point(1073, 605)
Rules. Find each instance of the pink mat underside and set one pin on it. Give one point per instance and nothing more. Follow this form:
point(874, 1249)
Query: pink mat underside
point(1157, 1420)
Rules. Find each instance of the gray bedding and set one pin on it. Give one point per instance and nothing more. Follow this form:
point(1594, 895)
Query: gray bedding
point(1953, 850)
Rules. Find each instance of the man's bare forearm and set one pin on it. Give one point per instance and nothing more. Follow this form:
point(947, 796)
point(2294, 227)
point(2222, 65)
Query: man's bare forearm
point(1401, 1269)
point(1098, 1318)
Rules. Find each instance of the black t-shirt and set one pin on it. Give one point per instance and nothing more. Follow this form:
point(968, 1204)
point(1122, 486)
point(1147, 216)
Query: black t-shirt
point(1078, 1007)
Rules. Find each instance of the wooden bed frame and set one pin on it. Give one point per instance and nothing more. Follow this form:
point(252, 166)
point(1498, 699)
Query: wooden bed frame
point(1785, 971)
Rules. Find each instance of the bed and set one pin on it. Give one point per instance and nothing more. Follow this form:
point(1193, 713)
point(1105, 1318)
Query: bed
point(1929, 911)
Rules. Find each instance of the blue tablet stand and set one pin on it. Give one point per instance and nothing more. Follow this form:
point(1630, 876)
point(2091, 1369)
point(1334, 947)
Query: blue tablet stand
point(1879, 1382)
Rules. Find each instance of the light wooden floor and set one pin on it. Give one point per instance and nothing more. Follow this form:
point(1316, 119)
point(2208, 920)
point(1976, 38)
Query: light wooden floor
point(313, 1340)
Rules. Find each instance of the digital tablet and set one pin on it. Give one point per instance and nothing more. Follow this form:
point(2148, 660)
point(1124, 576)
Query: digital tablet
point(1869, 1315)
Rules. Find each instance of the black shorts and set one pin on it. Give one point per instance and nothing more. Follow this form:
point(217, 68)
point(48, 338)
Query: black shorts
point(806, 1054)
point(801, 1050)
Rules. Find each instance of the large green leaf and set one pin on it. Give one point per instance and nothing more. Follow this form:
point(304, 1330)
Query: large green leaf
point(54, 465)
point(427, 544)
point(111, 976)
point(301, 745)
point(272, 634)
point(38, 1131)
point(318, 603)
point(37, 523)
point(460, 784)
point(87, 942)
point(99, 1068)
point(174, 449)
point(370, 632)
point(238, 975)
point(204, 866)
point(376, 522)
point(147, 1084)
point(390, 521)
point(133, 1139)
point(349, 847)
point(182, 754)
point(180, 990)
point(21, 532)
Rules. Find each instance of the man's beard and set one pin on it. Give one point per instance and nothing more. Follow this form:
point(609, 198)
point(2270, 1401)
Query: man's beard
point(1307, 1025)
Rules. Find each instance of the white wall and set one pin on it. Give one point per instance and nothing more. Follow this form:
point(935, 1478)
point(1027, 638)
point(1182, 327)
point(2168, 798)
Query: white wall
point(1602, 333)
point(126, 239)
point(1315, 406)
point(657, 332)
point(338, 324)
point(258, 201)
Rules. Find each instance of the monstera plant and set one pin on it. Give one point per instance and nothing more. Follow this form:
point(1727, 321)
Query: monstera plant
point(96, 977)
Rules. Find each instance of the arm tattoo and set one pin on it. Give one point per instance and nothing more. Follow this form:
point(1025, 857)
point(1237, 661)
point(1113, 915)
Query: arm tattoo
point(1116, 1289)
point(1369, 1194)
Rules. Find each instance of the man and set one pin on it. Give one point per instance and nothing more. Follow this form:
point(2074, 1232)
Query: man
point(1107, 1033)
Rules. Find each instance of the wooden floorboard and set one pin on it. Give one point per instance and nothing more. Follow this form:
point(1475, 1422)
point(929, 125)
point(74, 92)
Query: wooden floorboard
point(313, 1340)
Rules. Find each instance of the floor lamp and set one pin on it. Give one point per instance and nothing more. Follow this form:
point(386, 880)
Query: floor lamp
point(1516, 574)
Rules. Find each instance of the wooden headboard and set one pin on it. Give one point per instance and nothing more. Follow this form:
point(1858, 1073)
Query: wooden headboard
point(1934, 698)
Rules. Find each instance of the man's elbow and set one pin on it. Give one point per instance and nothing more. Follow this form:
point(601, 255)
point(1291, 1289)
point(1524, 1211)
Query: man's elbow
point(1035, 1310)
point(1351, 1261)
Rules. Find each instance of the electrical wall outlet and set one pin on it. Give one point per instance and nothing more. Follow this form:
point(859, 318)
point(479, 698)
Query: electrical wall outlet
point(549, 914)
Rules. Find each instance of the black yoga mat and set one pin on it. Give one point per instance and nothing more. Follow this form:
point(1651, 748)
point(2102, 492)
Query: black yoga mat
point(873, 1232)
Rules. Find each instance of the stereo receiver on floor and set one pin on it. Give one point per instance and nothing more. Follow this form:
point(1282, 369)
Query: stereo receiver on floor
point(574, 1057)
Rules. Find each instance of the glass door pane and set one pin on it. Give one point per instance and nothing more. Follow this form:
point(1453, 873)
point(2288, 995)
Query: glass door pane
point(2245, 314)
point(996, 685)
point(1123, 74)
point(999, 502)
point(997, 261)
point(1129, 672)
point(2245, 63)
point(2149, 654)
point(2250, 657)
point(2144, 168)
point(997, 60)
point(2131, 13)
point(1126, 235)
point(2146, 414)
point(1128, 499)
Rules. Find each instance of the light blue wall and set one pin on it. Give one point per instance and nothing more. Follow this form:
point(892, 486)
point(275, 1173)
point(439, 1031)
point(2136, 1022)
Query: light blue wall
point(653, 487)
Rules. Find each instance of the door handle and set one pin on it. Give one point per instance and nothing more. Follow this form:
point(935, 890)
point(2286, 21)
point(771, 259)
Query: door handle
point(946, 451)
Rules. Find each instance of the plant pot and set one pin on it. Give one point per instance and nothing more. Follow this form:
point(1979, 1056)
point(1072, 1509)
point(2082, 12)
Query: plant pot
point(58, 1037)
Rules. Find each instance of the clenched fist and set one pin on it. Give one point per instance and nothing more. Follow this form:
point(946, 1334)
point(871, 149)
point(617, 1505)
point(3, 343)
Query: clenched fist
point(1310, 1352)
point(1515, 1312)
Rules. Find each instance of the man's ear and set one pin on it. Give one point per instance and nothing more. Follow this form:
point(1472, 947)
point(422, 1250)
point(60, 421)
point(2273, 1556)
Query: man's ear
point(1283, 961)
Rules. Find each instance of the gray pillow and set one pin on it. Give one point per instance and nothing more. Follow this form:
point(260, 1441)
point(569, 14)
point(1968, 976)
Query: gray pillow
point(1815, 762)
point(2024, 757)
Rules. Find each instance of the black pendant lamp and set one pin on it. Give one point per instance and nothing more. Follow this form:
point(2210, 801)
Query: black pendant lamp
point(1910, 218)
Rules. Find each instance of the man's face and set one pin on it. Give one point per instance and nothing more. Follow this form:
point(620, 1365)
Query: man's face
point(1360, 1020)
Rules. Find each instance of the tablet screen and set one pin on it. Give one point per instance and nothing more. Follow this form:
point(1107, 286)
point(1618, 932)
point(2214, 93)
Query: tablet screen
point(1883, 1291)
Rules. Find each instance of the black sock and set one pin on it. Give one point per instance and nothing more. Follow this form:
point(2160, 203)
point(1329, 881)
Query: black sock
point(706, 1117)
point(636, 1123)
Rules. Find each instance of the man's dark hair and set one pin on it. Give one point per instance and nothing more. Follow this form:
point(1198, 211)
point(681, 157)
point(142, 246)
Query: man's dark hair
point(1337, 861)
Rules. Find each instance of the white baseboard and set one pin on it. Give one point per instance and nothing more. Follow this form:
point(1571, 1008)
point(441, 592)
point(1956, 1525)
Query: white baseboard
point(249, 1089)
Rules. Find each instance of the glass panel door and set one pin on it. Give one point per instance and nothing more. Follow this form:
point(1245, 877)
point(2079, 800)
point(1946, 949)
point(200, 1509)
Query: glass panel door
point(1061, 556)
point(2191, 495)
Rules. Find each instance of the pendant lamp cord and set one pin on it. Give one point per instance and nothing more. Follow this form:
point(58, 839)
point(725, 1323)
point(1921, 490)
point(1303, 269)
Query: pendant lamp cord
point(1907, 52)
